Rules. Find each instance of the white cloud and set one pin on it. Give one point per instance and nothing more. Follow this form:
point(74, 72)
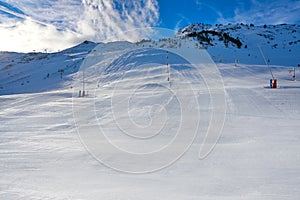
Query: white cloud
point(28, 36)
point(58, 24)
point(103, 20)
point(267, 12)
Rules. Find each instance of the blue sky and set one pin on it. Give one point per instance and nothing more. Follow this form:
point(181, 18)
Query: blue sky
point(27, 25)
point(174, 14)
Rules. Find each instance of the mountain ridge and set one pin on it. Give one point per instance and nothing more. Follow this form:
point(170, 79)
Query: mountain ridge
point(225, 43)
point(280, 42)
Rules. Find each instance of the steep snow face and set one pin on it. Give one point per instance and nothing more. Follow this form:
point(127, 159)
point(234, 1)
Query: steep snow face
point(229, 43)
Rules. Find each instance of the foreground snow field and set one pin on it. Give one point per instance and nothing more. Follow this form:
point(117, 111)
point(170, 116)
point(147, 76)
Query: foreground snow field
point(42, 156)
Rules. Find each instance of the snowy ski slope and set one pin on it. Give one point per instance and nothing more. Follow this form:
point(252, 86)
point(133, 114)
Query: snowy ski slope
point(50, 146)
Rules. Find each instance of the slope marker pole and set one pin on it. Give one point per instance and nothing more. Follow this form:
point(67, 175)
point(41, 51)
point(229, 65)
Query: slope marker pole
point(83, 92)
point(167, 61)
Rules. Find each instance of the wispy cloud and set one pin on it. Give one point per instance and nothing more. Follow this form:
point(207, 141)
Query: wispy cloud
point(266, 12)
point(58, 24)
point(110, 20)
point(183, 21)
point(202, 5)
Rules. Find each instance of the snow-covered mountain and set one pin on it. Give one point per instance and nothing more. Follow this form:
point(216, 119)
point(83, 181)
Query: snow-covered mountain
point(35, 72)
point(55, 144)
point(226, 43)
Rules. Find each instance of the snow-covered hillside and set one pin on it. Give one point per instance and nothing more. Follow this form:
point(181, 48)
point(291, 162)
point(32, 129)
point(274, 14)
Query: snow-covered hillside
point(227, 43)
point(36, 72)
point(57, 145)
